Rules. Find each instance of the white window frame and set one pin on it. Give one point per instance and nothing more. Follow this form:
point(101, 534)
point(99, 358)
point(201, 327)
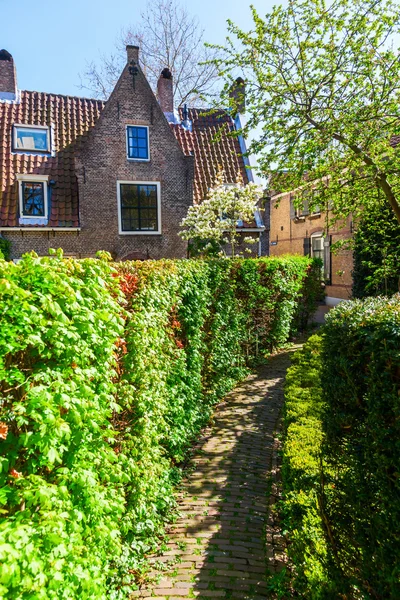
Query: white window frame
point(317, 234)
point(34, 179)
point(127, 144)
point(46, 128)
point(157, 184)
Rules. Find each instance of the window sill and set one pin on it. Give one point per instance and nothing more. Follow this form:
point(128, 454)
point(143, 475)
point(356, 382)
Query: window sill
point(315, 216)
point(139, 232)
point(137, 159)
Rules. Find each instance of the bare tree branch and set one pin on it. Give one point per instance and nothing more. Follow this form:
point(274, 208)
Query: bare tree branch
point(168, 36)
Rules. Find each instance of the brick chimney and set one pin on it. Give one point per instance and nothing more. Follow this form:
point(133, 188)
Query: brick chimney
point(8, 76)
point(132, 53)
point(165, 91)
point(238, 96)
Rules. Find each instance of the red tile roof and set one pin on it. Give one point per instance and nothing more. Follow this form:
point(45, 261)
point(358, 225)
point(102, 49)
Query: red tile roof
point(211, 151)
point(70, 119)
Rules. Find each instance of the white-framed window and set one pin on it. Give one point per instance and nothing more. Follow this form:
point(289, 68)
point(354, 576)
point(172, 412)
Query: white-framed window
point(137, 142)
point(304, 210)
point(320, 247)
point(31, 138)
point(139, 207)
point(317, 245)
point(33, 199)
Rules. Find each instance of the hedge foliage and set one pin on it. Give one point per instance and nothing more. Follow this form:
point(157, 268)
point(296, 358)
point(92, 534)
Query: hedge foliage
point(341, 455)
point(107, 374)
point(376, 253)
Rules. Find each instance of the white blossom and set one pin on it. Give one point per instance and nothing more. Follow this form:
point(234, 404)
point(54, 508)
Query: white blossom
point(216, 219)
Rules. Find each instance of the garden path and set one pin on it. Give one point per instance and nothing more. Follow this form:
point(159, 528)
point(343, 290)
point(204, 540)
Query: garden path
point(226, 541)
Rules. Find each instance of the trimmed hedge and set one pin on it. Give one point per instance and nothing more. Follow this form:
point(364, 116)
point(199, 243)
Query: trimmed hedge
point(376, 253)
point(341, 455)
point(301, 474)
point(362, 389)
point(107, 374)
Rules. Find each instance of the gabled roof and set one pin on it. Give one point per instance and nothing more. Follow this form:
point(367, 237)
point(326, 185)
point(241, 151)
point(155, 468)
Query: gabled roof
point(70, 119)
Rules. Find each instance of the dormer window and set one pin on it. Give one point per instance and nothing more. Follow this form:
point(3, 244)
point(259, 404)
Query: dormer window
point(31, 138)
point(137, 142)
point(33, 199)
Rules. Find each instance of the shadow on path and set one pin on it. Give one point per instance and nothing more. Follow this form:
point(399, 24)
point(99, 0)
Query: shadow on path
point(219, 544)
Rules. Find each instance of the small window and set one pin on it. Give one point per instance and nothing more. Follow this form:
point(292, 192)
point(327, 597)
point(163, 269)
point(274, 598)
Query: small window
point(139, 207)
point(31, 138)
point(320, 247)
point(33, 199)
point(137, 142)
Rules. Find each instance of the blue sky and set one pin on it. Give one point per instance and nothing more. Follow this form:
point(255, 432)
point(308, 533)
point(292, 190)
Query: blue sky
point(52, 40)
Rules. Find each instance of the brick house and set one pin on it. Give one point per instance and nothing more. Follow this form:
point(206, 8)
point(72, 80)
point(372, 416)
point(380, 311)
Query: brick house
point(85, 175)
point(300, 231)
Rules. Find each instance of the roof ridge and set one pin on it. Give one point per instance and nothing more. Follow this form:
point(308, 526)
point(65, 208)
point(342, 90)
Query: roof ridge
point(64, 96)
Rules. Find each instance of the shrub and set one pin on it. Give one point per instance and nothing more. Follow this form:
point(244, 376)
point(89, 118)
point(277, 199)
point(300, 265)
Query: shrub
point(5, 248)
point(341, 455)
point(301, 471)
point(108, 372)
point(60, 481)
point(376, 253)
point(361, 373)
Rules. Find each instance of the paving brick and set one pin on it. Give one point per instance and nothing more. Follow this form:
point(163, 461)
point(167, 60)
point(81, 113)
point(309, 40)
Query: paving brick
point(227, 551)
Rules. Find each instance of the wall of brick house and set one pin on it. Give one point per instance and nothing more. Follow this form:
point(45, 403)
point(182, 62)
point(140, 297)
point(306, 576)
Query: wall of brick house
point(287, 236)
point(101, 162)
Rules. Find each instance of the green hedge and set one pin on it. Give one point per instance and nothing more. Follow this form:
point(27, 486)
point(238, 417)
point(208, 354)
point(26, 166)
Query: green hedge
point(361, 371)
point(107, 374)
point(376, 253)
point(341, 455)
point(301, 474)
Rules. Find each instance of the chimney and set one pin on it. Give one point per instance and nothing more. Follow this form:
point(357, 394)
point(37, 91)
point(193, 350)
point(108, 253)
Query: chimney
point(165, 91)
point(238, 96)
point(8, 76)
point(132, 53)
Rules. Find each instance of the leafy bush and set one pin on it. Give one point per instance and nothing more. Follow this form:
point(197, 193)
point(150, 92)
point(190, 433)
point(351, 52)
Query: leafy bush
point(107, 374)
point(5, 248)
point(341, 455)
point(60, 481)
point(376, 253)
point(361, 374)
point(301, 471)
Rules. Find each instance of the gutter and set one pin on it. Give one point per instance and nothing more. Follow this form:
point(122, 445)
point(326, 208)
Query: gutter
point(39, 228)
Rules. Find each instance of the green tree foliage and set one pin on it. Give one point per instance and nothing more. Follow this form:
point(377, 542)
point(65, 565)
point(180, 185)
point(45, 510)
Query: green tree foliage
point(376, 253)
point(106, 377)
point(341, 455)
point(323, 85)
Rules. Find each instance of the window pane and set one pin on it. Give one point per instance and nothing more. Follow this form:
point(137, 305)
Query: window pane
point(138, 143)
point(33, 200)
point(139, 207)
point(317, 249)
point(32, 139)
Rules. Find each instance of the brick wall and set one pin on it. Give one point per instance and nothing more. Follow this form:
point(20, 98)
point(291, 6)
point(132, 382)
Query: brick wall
point(287, 236)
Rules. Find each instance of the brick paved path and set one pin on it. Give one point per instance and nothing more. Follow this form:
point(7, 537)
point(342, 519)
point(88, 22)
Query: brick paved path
point(224, 543)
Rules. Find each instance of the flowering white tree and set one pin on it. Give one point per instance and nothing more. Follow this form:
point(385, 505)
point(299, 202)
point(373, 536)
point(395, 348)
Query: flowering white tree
point(214, 222)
